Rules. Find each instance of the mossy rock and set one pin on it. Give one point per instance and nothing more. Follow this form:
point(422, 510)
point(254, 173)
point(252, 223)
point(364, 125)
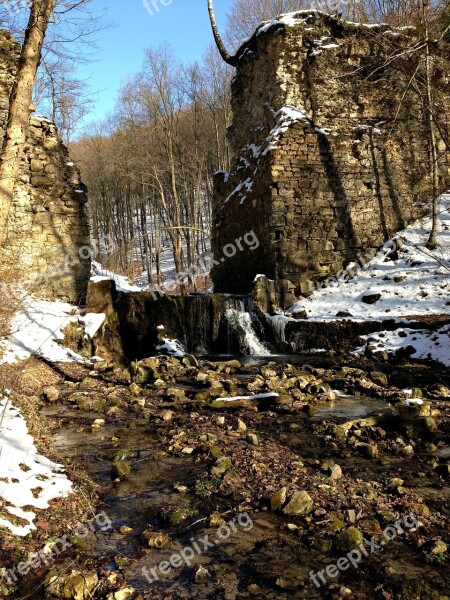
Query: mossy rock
point(179, 515)
point(221, 466)
point(350, 539)
point(336, 525)
point(229, 366)
point(420, 510)
point(5, 591)
point(379, 378)
point(369, 450)
point(322, 544)
point(76, 586)
point(215, 451)
point(425, 427)
point(414, 411)
point(120, 469)
point(300, 503)
point(99, 406)
point(119, 455)
point(78, 396)
point(80, 542)
point(155, 539)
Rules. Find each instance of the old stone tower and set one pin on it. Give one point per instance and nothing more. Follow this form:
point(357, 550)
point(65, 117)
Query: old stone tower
point(48, 232)
point(331, 155)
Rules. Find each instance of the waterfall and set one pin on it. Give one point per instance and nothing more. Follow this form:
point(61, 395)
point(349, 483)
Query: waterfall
point(223, 324)
point(279, 324)
point(240, 324)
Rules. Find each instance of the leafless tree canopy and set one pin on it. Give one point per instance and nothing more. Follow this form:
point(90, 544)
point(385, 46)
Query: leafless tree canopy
point(149, 167)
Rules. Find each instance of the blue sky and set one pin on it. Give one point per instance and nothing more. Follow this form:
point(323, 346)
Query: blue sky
point(183, 24)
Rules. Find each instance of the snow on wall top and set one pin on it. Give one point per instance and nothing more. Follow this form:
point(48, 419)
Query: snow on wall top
point(304, 17)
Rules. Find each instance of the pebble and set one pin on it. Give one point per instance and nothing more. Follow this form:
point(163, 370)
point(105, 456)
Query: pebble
point(201, 574)
point(252, 438)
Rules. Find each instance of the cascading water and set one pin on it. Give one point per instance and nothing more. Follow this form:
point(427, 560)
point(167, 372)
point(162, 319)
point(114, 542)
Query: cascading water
point(241, 326)
point(223, 324)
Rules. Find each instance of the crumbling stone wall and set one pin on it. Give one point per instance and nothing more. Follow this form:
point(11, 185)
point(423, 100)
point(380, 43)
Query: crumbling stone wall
point(331, 153)
point(48, 232)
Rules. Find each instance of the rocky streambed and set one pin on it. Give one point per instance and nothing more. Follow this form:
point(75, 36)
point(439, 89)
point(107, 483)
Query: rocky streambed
point(220, 479)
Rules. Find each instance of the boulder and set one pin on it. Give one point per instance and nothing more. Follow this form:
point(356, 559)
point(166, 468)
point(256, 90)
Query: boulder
point(300, 503)
point(76, 586)
point(221, 466)
point(370, 298)
point(350, 539)
point(120, 469)
point(50, 394)
point(155, 539)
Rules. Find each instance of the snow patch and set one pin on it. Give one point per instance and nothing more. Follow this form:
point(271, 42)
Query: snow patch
point(172, 348)
point(37, 329)
point(412, 402)
point(254, 397)
point(122, 283)
point(27, 479)
point(92, 323)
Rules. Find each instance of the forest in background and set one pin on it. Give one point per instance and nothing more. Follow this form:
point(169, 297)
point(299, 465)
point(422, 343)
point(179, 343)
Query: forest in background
point(149, 166)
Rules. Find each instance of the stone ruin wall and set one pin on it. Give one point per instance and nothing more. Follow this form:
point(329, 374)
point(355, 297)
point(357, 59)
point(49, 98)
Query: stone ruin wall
point(322, 186)
point(48, 222)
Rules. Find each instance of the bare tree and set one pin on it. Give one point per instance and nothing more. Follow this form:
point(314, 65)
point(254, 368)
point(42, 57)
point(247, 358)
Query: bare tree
point(244, 16)
point(68, 30)
point(61, 95)
point(227, 57)
point(429, 102)
point(19, 109)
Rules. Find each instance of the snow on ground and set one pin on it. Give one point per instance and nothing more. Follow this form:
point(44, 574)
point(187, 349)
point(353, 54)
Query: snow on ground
point(27, 479)
point(37, 329)
point(254, 397)
point(172, 348)
point(92, 323)
point(122, 283)
point(428, 345)
point(418, 283)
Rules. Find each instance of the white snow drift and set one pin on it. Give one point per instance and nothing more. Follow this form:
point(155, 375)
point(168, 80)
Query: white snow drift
point(27, 479)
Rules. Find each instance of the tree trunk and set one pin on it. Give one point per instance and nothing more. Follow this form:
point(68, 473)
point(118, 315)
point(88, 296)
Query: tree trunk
point(19, 108)
point(432, 240)
point(231, 60)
